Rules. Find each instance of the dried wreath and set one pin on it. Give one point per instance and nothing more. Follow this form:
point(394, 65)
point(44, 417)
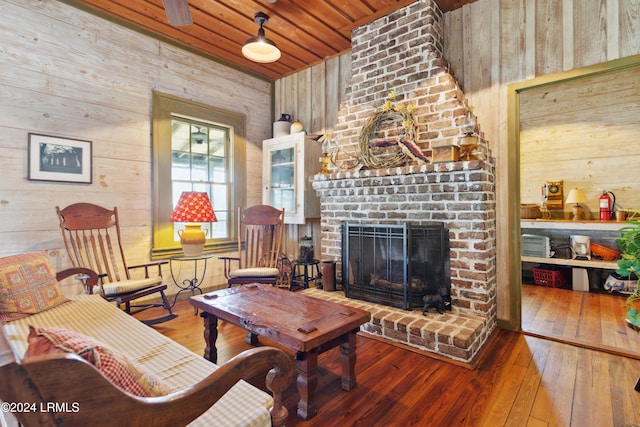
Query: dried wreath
point(385, 154)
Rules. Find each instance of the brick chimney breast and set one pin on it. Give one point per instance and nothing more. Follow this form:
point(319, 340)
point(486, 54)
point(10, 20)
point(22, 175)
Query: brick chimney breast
point(403, 52)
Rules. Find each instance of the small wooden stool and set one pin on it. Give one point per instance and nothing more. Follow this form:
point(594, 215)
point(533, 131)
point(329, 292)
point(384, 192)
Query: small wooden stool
point(302, 278)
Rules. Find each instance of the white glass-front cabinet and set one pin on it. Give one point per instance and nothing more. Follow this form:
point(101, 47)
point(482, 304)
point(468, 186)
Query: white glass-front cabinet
point(288, 162)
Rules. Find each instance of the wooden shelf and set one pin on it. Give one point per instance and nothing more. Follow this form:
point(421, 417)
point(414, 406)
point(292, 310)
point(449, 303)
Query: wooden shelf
point(579, 273)
point(572, 225)
point(609, 265)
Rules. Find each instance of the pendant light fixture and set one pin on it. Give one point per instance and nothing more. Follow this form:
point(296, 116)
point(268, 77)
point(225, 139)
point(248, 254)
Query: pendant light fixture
point(198, 136)
point(260, 48)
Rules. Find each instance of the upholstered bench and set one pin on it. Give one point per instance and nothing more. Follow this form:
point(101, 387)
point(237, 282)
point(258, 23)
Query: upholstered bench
point(190, 389)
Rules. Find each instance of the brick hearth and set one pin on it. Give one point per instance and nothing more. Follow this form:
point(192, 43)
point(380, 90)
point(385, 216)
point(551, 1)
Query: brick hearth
point(455, 336)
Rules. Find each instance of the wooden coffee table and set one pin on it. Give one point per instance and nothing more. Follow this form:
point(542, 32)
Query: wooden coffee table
point(306, 325)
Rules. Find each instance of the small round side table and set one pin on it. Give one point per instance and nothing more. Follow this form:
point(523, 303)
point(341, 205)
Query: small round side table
point(192, 284)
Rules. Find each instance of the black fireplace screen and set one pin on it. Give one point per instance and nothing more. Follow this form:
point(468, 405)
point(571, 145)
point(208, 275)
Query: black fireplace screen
point(395, 265)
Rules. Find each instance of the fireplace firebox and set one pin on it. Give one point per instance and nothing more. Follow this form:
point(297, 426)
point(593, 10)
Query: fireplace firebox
point(395, 265)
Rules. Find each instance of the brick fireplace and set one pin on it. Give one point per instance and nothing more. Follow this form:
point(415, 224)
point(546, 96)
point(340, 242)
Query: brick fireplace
point(403, 52)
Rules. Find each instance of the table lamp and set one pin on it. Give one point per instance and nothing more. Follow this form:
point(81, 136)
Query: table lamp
point(576, 196)
point(193, 208)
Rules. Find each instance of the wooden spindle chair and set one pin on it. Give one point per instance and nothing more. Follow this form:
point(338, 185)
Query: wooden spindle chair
point(260, 258)
point(91, 237)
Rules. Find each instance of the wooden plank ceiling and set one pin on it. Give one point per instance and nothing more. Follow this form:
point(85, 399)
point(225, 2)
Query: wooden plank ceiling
point(306, 31)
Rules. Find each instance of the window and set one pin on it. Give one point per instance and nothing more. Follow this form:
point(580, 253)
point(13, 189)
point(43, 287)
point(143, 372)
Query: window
point(199, 162)
point(196, 148)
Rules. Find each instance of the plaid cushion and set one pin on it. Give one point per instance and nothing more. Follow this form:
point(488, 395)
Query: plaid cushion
point(28, 285)
point(116, 367)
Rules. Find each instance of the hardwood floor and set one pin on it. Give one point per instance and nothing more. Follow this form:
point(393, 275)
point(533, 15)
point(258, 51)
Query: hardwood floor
point(524, 380)
point(589, 319)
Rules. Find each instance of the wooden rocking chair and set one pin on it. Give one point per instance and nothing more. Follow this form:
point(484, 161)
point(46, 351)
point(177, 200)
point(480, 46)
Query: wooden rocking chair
point(259, 260)
point(91, 236)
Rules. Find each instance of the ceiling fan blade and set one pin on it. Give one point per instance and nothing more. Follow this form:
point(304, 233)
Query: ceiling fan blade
point(178, 12)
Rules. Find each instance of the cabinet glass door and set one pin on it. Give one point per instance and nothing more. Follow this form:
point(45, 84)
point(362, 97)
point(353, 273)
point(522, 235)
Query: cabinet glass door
point(283, 168)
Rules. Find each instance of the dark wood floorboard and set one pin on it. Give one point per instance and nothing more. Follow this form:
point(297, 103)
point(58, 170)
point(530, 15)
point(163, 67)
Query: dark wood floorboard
point(522, 381)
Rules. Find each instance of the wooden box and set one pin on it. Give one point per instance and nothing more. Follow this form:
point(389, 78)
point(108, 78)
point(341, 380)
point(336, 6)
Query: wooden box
point(445, 153)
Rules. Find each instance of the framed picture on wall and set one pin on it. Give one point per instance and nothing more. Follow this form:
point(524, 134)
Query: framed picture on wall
point(54, 158)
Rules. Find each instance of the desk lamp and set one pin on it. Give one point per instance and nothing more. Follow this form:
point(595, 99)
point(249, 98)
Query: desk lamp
point(576, 196)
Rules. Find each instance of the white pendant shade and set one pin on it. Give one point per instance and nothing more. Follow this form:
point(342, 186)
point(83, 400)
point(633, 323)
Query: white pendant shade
point(261, 49)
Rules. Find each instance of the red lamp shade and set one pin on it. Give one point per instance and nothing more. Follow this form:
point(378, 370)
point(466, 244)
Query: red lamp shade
point(193, 208)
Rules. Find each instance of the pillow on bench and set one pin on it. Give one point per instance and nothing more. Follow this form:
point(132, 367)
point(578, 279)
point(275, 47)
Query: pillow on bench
point(28, 286)
point(116, 367)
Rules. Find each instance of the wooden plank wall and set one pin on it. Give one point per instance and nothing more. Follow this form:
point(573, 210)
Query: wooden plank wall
point(68, 73)
point(527, 39)
point(313, 97)
point(584, 132)
point(490, 44)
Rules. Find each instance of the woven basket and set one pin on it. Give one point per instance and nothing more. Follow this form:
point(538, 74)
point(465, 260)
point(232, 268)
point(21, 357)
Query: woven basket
point(530, 211)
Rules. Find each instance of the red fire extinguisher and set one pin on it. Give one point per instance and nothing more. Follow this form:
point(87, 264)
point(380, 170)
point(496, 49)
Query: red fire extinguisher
point(607, 202)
